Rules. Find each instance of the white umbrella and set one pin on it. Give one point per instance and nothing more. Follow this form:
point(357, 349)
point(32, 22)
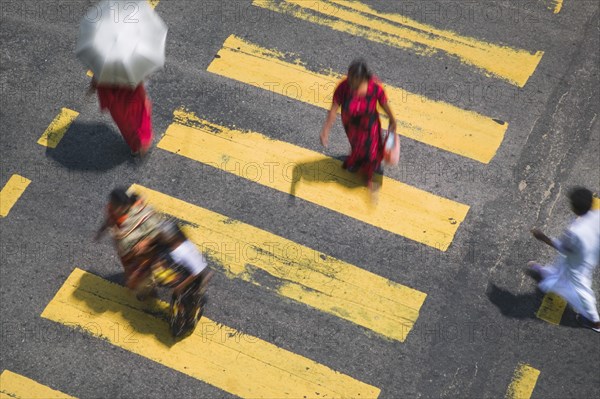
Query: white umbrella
point(122, 42)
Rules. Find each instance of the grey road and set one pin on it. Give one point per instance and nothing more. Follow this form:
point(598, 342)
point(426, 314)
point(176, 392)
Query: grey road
point(478, 322)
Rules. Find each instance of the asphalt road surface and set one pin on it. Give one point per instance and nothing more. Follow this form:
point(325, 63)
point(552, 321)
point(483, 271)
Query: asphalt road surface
point(319, 292)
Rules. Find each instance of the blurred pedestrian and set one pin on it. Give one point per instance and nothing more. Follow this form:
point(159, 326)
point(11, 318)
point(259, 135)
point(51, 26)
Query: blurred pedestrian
point(142, 237)
point(131, 110)
point(132, 223)
point(358, 95)
point(570, 276)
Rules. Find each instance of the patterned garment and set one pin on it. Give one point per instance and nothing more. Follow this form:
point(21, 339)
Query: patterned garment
point(363, 127)
point(139, 223)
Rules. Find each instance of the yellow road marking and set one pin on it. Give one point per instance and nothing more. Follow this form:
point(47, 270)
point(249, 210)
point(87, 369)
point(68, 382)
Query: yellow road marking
point(15, 386)
point(12, 190)
point(90, 73)
point(595, 202)
point(396, 30)
point(401, 209)
point(57, 129)
point(305, 275)
point(237, 363)
point(436, 123)
point(552, 308)
point(523, 382)
point(556, 5)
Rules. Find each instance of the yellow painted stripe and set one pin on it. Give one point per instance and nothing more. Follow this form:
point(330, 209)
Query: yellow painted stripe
point(436, 123)
point(305, 275)
point(523, 382)
point(399, 31)
point(401, 209)
point(15, 386)
point(552, 308)
point(237, 363)
point(12, 190)
point(556, 6)
point(57, 129)
point(90, 73)
point(595, 202)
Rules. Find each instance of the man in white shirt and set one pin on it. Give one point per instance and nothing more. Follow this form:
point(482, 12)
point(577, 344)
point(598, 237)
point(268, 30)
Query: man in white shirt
point(570, 276)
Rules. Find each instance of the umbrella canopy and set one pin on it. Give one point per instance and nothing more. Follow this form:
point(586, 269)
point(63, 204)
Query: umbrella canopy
point(122, 42)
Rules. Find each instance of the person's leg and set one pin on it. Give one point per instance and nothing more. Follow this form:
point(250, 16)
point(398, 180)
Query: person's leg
point(353, 161)
point(542, 271)
point(144, 132)
point(145, 287)
point(589, 310)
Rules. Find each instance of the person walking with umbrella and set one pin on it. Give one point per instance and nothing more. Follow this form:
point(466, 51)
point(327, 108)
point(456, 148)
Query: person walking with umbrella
point(122, 43)
point(358, 95)
point(131, 110)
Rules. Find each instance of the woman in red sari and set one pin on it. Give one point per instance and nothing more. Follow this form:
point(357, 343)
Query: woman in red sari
point(131, 110)
point(358, 95)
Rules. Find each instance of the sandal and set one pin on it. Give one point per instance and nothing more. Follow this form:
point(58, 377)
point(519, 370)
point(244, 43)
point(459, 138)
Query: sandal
point(586, 323)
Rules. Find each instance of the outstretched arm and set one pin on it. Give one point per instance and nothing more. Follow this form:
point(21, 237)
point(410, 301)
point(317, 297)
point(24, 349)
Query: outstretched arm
point(537, 233)
point(329, 121)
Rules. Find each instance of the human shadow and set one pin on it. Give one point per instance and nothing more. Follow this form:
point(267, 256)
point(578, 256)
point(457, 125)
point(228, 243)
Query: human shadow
point(524, 306)
point(518, 306)
point(90, 147)
point(148, 318)
point(328, 171)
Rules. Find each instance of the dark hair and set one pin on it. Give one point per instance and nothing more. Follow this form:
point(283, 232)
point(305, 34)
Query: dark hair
point(358, 69)
point(119, 197)
point(581, 200)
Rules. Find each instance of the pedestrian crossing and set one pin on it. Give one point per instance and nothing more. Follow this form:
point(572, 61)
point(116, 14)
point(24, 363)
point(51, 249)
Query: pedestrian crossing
point(555, 5)
point(435, 123)
point(221, 356)
point(401, 209)
point(357, 18)
point(244, 365)
point(11, 192)
point(304, 275)
point(16, 386)
point(552, 309)
point(523, 382)
point(57, 128)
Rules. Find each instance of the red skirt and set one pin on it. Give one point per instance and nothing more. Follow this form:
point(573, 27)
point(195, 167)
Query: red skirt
point(131, 110)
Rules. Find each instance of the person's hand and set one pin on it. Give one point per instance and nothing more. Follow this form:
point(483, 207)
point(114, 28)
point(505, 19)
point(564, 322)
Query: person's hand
point(392, 127)
point(325, 138)
point(537, 233)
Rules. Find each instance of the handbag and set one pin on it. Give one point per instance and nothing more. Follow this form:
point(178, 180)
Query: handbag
point(391, 147)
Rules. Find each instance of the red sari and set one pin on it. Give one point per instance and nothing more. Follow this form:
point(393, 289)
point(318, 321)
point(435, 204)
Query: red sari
point(362, 125)
point(131, 110)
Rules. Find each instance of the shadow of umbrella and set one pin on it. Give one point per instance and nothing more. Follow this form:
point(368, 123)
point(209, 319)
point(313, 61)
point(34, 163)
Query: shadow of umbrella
point(327, 170)
point(90, 147)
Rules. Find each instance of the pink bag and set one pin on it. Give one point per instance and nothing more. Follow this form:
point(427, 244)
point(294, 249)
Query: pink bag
point(391, 147)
